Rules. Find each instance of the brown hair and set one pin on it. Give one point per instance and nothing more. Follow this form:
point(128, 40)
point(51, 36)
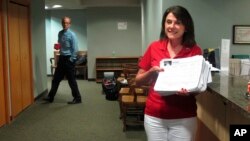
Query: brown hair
point(182, 15)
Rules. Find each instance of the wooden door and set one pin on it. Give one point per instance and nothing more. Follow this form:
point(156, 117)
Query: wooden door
point(14, 57)
point(2, 95)
point(25, 57)
point(19, 57)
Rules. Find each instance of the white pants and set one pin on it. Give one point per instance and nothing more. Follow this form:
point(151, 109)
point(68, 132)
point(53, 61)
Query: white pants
point(170, 129)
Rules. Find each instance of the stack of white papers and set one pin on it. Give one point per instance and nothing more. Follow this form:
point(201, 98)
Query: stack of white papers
point(245, 66)
point(192, 73)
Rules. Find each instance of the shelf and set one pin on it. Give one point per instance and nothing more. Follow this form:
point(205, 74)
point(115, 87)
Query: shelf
point(109, 69)
point(114, 64)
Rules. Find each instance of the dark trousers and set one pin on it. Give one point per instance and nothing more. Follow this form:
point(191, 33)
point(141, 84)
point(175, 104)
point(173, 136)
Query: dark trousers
point(65, 68)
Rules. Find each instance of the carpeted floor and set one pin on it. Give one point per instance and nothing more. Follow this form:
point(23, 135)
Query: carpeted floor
point(96, 119)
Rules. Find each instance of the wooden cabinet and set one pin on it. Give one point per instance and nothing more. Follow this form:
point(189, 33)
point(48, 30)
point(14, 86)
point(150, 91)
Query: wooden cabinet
point(112, 64)
point(20, 59)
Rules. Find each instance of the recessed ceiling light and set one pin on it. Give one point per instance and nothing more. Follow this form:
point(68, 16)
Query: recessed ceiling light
point(56, 6)
point(46, 7)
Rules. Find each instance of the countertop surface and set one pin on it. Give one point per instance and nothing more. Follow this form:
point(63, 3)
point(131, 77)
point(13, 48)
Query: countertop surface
point(232, 89)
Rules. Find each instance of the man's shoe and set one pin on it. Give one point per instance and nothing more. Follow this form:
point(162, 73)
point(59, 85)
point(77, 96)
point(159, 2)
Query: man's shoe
point(48, 99)
point(75, 101)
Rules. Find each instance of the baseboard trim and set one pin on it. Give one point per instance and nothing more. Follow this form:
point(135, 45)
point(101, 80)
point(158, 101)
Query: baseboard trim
point(91, 79)
point(42, 94)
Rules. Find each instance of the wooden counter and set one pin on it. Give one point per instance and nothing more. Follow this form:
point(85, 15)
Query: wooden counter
point(224, 103)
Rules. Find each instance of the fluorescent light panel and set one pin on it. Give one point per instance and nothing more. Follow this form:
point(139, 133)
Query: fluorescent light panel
point(56, 6)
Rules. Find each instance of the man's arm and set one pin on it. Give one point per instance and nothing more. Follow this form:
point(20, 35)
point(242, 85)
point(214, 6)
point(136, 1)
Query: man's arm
point(74, 48)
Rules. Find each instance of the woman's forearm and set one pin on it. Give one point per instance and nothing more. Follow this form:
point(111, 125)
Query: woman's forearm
point(146, 77)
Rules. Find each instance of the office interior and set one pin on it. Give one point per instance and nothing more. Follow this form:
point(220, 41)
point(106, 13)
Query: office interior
point(98, 34)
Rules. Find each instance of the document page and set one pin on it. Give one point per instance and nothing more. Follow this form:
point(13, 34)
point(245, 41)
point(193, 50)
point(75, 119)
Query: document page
point(180, 73)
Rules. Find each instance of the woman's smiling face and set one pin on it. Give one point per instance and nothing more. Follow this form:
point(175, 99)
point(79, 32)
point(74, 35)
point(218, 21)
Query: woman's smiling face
point(174, 28)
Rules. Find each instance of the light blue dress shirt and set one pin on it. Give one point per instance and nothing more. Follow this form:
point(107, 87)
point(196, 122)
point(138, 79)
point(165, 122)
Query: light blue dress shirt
point(68, 43)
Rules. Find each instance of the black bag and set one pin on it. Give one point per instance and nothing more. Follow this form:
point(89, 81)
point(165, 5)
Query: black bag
point(110, 88)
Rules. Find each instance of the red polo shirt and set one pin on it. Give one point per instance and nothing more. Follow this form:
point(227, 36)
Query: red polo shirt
point(167, 107)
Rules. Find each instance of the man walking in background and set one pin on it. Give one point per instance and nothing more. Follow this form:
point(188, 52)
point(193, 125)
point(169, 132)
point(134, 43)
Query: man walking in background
point(66, 64)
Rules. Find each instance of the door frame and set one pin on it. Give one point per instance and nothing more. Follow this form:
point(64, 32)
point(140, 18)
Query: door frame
point(3, 66)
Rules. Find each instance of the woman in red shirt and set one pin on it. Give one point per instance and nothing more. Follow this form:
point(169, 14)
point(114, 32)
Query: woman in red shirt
point(169, 118)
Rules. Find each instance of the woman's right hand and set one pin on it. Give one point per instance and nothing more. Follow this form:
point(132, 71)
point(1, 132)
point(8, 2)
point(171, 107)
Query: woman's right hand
point(156, 70)
point(146, 77)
